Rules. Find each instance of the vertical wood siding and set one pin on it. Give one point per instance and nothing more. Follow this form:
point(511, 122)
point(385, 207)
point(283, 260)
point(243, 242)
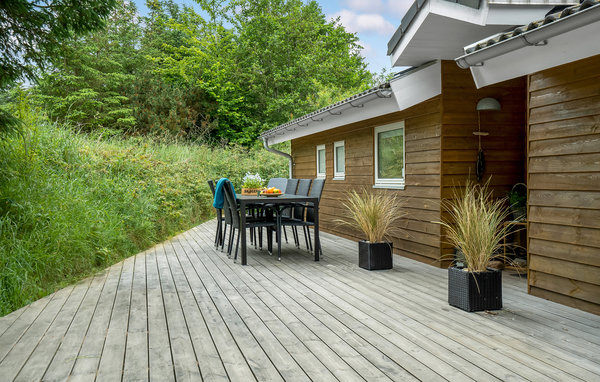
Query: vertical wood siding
point(417, 236)
point(504, 147)
point(564, 184)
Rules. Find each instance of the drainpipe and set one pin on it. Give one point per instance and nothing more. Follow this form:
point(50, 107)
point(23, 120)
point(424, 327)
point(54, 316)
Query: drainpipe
point(272, 150)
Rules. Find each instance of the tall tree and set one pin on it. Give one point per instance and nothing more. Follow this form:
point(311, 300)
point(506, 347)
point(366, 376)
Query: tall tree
point(263, 61)
point(32, 30)
point(91, 81)
point(287, 52)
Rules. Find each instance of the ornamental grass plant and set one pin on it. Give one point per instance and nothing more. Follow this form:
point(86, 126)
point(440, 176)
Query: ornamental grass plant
point(475, 224)
point(374, 213)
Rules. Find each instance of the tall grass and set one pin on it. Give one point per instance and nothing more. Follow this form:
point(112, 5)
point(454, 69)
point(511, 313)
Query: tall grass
point(475, 224)
point(71, 204)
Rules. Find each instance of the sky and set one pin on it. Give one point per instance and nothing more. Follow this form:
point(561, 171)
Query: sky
point(374, 21)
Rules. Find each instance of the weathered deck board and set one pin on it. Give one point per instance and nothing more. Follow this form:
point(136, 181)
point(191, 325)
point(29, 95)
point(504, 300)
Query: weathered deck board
point(184, 311)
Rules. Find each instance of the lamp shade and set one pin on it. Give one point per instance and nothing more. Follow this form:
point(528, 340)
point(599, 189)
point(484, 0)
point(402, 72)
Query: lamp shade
point(488, 104)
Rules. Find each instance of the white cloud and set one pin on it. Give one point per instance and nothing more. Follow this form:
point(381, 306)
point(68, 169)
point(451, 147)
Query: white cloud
point(376, 6)
point(368, 51)
point(366, 22)
point(399, 7)
point(396, 7)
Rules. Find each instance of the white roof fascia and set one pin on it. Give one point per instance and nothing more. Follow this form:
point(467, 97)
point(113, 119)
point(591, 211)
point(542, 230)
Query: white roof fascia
point(460, 22)
point(442, 8)
point(417, 86)
point(373, 106)
point(515, 57)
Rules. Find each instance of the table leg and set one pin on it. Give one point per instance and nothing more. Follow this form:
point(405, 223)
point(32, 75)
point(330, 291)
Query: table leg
point(317, 239)
point(278, 212)
point(243, 230)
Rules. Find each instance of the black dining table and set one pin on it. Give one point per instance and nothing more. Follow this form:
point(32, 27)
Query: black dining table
point(278, 201)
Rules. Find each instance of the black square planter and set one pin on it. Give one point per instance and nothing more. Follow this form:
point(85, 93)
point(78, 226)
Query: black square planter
point(475, 292)
point(374, 256)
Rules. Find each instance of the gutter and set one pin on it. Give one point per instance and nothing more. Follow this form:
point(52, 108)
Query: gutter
point(534, 37)
point(272, 150)
point(381, 91)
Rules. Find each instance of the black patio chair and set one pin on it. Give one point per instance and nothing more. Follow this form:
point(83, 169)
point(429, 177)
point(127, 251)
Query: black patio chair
point(236, 221)
point(280, 183)
point(291, 186)
point(304, 214)
point(219, 212)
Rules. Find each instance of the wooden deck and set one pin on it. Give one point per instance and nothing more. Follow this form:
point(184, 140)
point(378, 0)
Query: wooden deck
point(183, 311)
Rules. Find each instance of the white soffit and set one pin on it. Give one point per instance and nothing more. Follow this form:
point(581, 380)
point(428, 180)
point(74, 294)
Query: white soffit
point(418, 86)
point(442, 29)
point(567, 47)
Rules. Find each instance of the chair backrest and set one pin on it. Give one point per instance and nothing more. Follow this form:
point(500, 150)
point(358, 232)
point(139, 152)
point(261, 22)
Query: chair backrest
point(303, 187)
point(211, 184)
point(292, 184)
point(230, 205)
point(280, 183)
point(317, 188)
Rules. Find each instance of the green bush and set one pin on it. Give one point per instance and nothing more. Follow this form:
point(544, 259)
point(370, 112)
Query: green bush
point(71, 204)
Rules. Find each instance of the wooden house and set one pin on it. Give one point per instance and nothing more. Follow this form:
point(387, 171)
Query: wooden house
point(559, 59)
point(414, 136)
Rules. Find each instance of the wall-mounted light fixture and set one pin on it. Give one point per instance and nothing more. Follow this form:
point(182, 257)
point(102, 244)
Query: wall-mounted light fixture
point(483, 104)
point(488, 103)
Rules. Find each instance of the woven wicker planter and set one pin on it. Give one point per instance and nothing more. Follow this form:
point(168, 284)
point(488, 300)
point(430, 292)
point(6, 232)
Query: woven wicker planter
point(375, 256)
point(475, 292)
point(251, 191)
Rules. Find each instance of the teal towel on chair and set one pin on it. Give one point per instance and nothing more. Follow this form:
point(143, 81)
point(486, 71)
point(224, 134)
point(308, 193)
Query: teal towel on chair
point(219, 193)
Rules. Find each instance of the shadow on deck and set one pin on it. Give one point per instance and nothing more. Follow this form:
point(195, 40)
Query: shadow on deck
point(183, 311)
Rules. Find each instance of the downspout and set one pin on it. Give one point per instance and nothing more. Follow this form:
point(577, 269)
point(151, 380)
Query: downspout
point(272, 150)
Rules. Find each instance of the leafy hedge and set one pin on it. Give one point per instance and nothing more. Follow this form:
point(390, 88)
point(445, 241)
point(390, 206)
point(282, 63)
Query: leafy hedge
point(71, 204)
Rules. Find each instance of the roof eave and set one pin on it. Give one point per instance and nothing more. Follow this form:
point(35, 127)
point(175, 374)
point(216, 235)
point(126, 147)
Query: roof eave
point(538, 36)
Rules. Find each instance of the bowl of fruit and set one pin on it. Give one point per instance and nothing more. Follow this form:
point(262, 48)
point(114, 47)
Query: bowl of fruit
point(271, 192)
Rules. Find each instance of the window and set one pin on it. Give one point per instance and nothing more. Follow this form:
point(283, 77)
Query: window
point(339, 160)
point(389, 156)
point(321, 161)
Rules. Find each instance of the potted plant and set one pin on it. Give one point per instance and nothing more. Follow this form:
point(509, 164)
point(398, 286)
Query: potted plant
point(475, 227)
point(252, 184)
point(375, 215)
point(517, 198)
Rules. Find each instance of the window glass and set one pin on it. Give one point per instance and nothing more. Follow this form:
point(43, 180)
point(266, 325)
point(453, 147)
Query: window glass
point(390, 155)
point(321, 161)
point(339, 159)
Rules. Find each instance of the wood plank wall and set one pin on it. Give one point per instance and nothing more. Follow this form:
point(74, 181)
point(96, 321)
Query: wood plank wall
point(418, 237)
point(504, 147)
point(564, 184)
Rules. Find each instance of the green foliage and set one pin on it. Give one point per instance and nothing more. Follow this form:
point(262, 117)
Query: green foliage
point(246, 66)
point(261, 62)
point(71, 204)
point(90, 86)
point(33, 30)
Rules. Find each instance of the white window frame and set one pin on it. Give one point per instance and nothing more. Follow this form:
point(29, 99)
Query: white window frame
point(321, 174)
point(338, 175)
point(397, 183)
